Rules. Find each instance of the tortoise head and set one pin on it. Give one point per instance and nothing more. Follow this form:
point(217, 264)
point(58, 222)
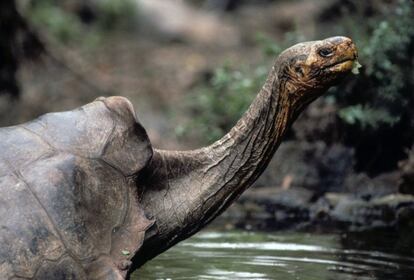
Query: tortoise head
point(307, 69)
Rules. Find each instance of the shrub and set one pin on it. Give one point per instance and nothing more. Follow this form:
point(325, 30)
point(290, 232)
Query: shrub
point(216, 106)
point(66, 25)
point(59, 24)
point(374, 116)
point(381, 94)
point(113, 14)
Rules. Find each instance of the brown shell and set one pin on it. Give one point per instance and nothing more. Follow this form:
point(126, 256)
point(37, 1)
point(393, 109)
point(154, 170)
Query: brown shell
point(68, 202)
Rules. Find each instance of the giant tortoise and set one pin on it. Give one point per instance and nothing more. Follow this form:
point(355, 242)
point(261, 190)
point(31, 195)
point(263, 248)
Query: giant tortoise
point(83, 195)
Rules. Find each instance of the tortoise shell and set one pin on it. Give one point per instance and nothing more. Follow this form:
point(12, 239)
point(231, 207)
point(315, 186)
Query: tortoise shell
point(68, 201)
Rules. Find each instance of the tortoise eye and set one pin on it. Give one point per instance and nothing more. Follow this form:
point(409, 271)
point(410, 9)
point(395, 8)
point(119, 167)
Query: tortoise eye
point(325, 52)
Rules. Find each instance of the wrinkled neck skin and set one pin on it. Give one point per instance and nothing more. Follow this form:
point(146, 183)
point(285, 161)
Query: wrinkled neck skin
point(184, 191)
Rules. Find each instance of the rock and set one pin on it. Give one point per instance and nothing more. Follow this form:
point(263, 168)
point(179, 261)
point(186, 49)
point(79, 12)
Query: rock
point(406, 185)
point(290, 161)
point(333, 199)
point(364, 187)
point(318, 122)
point(269, 208)
point(380, 212)
point(313, 166)
point(277, 209)
point(334, 164)
point(270, 196)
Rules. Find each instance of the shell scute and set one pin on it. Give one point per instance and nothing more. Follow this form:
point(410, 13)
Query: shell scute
point(26, 233)
point(65, 191)
point(128, 147)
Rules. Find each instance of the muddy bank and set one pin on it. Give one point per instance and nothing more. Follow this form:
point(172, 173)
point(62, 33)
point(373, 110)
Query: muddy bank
point(277, 209)
point(311, 185)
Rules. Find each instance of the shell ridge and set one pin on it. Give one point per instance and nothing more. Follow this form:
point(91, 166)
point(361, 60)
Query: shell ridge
point(106, 144)
point(39, 137)
point(21, 178)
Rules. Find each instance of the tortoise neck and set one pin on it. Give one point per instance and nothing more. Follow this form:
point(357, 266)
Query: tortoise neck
point(240, 157)
point(184, 191)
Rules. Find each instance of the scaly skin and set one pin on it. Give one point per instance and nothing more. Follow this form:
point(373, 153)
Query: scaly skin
point(184, 191)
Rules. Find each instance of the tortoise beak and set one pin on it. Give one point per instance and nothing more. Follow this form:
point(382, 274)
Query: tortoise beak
point(346, 53)
point(345, 46)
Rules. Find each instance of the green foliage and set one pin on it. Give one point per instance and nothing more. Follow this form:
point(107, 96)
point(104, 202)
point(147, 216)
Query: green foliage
point(114, 14)
point(366, 116)
point(65, 25)
point(218, 105)
point(381, 94)
point(269, 47)
point(61, 25)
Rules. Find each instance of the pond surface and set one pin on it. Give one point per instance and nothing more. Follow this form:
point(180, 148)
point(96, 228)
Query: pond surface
point(284, 256)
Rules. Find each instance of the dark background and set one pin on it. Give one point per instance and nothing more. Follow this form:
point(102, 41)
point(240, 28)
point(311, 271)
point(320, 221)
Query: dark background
point(191, 68)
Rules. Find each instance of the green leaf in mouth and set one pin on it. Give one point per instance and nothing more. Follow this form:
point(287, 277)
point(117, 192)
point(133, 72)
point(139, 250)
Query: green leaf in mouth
point(355, 67)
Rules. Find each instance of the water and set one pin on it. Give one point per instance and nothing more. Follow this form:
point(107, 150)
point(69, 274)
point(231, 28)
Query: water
point(284, 256)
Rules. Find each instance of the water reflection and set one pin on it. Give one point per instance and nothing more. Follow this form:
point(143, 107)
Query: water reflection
point(244, 255)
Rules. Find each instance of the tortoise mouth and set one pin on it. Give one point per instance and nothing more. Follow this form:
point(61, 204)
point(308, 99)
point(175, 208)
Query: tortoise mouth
point(342, 66)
